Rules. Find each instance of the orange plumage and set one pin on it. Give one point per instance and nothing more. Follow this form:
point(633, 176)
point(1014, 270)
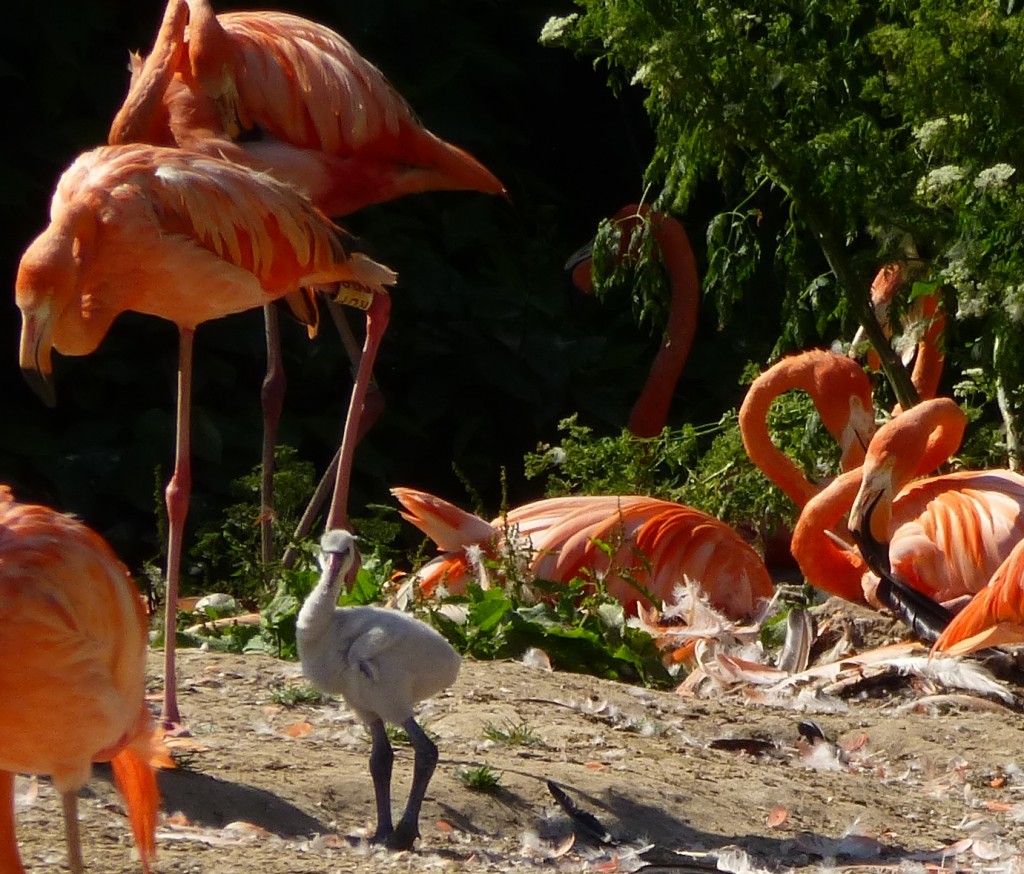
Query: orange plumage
point(327, 120)
point(182, 236)
point(73, 634)
point(636, 545)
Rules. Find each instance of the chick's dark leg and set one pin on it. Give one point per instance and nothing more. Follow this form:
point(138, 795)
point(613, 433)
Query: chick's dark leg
point(425, 762)
point(382, 758)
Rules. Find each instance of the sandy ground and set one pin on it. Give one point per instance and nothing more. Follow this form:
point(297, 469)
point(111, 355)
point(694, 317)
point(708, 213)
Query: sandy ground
point(913, 775)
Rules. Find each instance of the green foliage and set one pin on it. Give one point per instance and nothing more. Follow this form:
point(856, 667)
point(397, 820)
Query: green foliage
point(583, 630)
point(841, 134)
point(229, 550)
point(513, 734)
point(632, 266)
point(298, 694)
point(583, 463)
point(479, 779)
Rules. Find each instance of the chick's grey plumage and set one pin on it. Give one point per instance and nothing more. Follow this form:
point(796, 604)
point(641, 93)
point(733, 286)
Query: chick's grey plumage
point(382, 662)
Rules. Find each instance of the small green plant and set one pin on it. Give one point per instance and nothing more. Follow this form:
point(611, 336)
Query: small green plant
point(298, 693)
point(513, 734)
point(480, 779)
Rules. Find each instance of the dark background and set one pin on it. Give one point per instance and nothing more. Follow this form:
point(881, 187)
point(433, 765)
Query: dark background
point(489, 345)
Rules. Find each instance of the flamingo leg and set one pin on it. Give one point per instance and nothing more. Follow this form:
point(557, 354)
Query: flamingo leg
point(177, 499)
point(71, 832)
point(272, 396)
point(376, 323)
point(373, 403)
point(10, 860)
point(382, 758)
point(424, 763)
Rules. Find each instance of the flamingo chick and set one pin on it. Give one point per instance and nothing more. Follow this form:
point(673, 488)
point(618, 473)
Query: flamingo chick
point(382, 662)
point(73, 635)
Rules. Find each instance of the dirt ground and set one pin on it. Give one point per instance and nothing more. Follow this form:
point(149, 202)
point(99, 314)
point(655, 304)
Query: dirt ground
point(913, 775)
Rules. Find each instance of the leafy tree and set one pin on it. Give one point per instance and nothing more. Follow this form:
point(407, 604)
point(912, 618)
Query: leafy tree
point(843, 134)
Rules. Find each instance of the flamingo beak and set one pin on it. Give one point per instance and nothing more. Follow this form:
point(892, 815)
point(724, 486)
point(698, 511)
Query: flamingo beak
point(35, 355)
point(875, 551)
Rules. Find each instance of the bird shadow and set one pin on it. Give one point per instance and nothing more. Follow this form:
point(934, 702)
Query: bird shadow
point(213, 803)
point(635, 821)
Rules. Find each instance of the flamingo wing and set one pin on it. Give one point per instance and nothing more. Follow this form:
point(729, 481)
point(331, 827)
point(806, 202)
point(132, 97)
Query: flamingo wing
point(950, 533)
point(450, 527)
point(995, 615)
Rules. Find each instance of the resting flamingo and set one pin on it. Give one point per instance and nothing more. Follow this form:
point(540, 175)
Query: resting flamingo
point(181, 236)
point(653, 544)
point(73, 635)
point(650, 412)
point(941, 536)
point(921, 341)
point(288, 96)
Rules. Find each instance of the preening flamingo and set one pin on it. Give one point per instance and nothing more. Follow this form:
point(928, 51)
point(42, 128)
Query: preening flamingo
point(73, 635)
point(288, 96)
point(639, 546)
point(650, 412)
point(382, 662)
point(840, 391)
point(184, 237)
point(941, 536)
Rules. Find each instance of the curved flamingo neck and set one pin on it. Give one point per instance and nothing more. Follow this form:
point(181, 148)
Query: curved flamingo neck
point(839, 389)
point(650, 412)
point(824, 564)
point(143, 117)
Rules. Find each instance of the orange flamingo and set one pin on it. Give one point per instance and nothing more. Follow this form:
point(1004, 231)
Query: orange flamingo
point(941, 536)
point(184, 237)
point(921, 342)
point(287, 96)
point(73, 634)
point(973, 518)
point(640, 547)
point(830, 563)
point(650, 411)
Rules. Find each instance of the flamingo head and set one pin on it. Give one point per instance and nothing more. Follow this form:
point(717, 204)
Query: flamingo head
point(55, 312)
point(339, 558)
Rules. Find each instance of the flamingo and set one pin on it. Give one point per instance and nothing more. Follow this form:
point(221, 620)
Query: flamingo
point(940, 536)
point(926, 322)
point(841, 393)
point(290, 97)
point(382, 661)
point(181, 236)
point(73, 635)
point(650, 411)
point(653, 544)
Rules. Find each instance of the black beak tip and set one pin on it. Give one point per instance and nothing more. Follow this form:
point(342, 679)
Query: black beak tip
point(42, 384)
